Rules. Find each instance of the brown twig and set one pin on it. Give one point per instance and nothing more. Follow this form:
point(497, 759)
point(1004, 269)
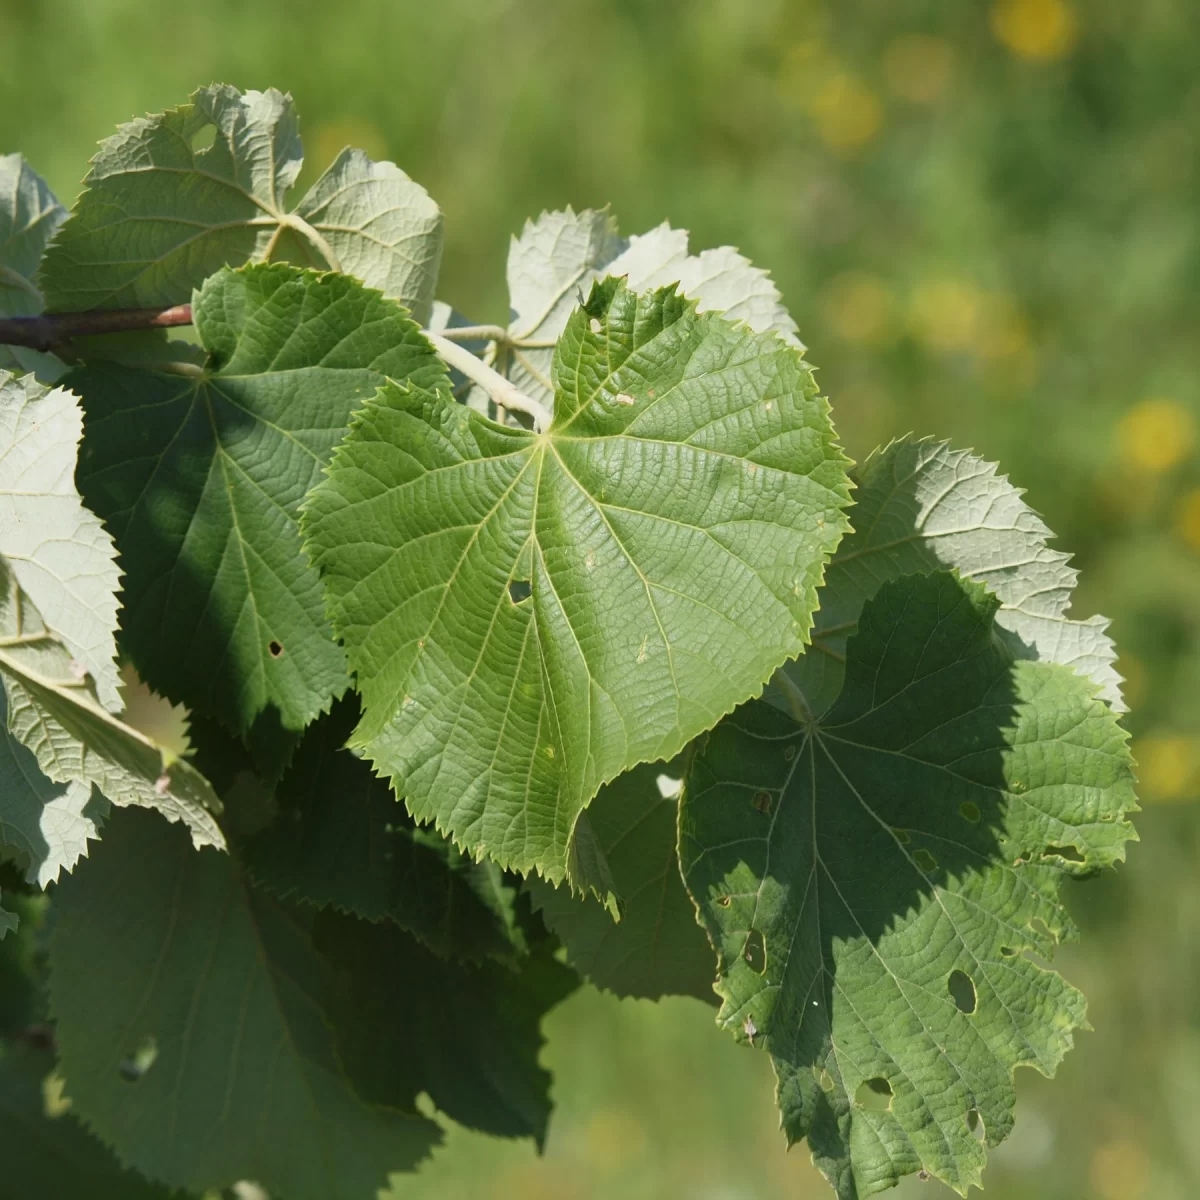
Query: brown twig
point(57, 329)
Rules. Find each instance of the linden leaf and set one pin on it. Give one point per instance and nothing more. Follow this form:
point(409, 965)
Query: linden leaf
point(198, 1048)
point(172, 198)
point(48, 825)
point(558, 258)
point(875, 879)
point(657, 948)
point(408, 1022)
point(342, 839)
point(920, 506)
point(46, 1150)
point(530, 615)
point(29, 215)
point(53, 712)
point(200, 477)
point(60, 554)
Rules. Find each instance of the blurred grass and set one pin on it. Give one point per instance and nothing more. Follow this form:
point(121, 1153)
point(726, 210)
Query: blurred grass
point(986, 219)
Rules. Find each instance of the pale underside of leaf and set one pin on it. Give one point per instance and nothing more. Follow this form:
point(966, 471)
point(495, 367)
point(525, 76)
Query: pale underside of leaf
point(54, 713)
point(529, 615)
point(200, 479)
point(558, 258)
point(164, 957)
point(920, 506)
point(173, 197)
point(29, 215)
point(874, 882)
point(48, 825)
point(61, 555)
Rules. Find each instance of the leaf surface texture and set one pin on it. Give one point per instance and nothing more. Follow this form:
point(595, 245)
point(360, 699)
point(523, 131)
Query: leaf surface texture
point(875, 881)
point(529, 615)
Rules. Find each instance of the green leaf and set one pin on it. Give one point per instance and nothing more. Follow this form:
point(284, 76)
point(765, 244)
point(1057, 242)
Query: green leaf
point(875, 882)
point(172, 198)
point(534, 614)
point(62, 560)
point(382, 227)
point(46, 1151)
point(657, 948)
point(200, 477)
point(23, 971)
point(920, 506)
point(558, 257)
point(408, 1022)
point(48, 825)
point(191, 1031)
point(53, 711)
point(342, 839)
point(29, 215)
point(59, 552)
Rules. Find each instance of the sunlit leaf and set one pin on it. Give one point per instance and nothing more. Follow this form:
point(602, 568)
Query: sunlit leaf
point(171, 198)
point(200, 476)
point(528, 615)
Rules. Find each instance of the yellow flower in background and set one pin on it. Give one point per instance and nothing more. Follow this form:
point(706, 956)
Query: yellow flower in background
point(945, 313)
point(1005, 345)
point(918, 67)
point(1187, 519)
point(801, 67)
point(1154, 435)
point(613, 1139)
point(329, 139)
point(861, 308)
point(847, 113)
point(1120, 1170)
point(1168, 767)
point(1003, 330)
point(1040, 30)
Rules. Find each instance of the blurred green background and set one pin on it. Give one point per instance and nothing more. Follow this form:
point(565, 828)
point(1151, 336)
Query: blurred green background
point(985, 217)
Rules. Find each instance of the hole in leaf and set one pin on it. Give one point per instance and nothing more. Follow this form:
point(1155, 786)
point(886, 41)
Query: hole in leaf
point(762, 802)
point(1037, 960)
point(756, 952)
point(789, 752)
point(969, 811)
point(140, 1061)
point(823, 1078)
point(1007, 951)
point(519, 590)
point(875, 1095)
point(962, 990)
point(669, 787)
point(40, 1037)
point(925, 861)
point(203, 138)
point(901, 835)
point(275, 648)
point(1067, 852)
point(975, 1125)
point(724, 901)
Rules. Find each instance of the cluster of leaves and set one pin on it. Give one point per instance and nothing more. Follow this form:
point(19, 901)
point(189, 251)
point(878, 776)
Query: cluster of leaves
point(481, 705)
